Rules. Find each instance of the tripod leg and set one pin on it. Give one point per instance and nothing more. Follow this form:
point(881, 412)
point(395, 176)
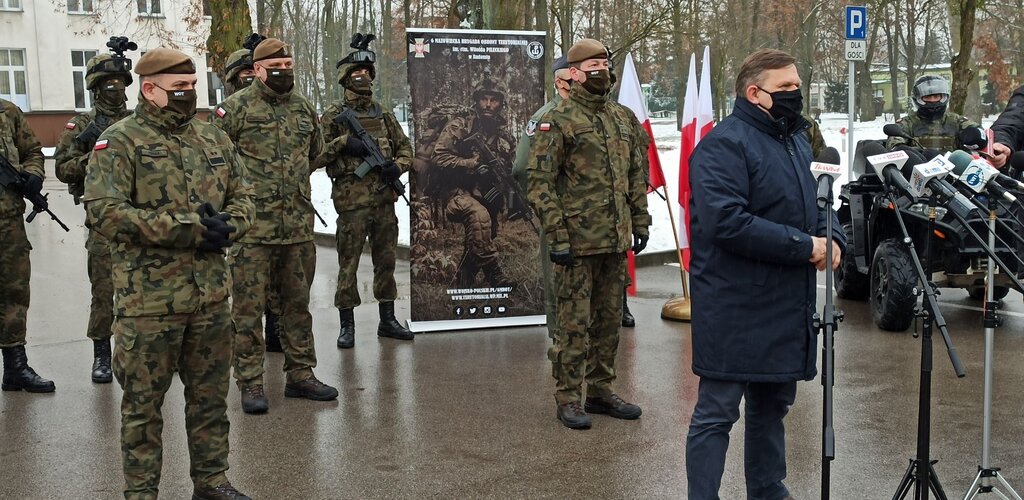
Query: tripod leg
point(972, 491)
point(1008, 487)
point(933, 483)
point(904, 487)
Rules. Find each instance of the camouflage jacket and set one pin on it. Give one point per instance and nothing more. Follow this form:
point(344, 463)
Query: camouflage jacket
point(523, 148)
point(586, 175)
point(943, 134)
point(72, 156)
point(144, 184)
point(814, 137)
point(457, 156)
point(19, 145)
point(350, 190)
point(277, 136)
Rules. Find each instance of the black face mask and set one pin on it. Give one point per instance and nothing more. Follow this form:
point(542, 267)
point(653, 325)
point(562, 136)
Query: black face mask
point(361, 84)
point(599, 82)
point(244, 82)
point(182, 102)
point(280, 80)
point(788, 104)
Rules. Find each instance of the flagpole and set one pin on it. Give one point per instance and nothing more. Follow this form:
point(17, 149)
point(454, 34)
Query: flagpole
point(676, 308)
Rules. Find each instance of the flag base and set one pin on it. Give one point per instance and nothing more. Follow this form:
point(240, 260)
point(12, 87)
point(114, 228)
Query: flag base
point(676, 309)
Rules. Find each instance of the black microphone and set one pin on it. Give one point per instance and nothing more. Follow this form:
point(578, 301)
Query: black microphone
point(826, 169)
point(887, 165)
point(894, 130)
point(973, 138)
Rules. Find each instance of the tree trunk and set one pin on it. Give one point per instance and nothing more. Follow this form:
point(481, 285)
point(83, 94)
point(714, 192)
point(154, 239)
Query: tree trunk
point(230, 24)
point(963, 74)
point(543, 24)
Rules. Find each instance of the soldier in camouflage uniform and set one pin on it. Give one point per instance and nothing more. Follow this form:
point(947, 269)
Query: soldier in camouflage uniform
point(586, 183)
point(167, 191)
point(471, 199)
point(931, 126)
point(560, 70)
point(365, 206)
point(239, 74)
point(21, 148)
point(277, 134)
point(106, 76)
point(814, 137)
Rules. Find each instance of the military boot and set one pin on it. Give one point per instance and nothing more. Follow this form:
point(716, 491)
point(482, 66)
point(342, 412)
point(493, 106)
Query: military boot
point(495, 276)
point(389, 326)
point(222, 492)
point(347, 336)
point(627, 317)
point(272, 332)
point(19, 376)
point(101, 373)
point(573, 416)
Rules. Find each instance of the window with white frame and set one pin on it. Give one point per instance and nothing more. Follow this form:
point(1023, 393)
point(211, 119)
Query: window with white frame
point(79, 58)
point(10, 4)
point(214, 87)
point(150, 8)
point(80, 7)
point(13, 83)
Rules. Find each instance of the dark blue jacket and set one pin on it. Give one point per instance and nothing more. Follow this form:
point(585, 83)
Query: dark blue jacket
point(752, 214)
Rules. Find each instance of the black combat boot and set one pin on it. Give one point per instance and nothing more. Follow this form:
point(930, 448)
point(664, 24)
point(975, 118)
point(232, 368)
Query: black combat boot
point(222, 492)
point(101, 373)
point(347, 336)
point(19, 376)
point(272, 332)
point(573, 416)
point(495, 276)
point(627, 317)
point(389, 326)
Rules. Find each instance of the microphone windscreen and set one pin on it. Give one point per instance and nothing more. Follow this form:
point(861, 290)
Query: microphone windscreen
point(1017, 161)
point(913, 158)
point(828, 155)
point(873, 149)
point(893, 130)
point(960, 160)
point(974, 138)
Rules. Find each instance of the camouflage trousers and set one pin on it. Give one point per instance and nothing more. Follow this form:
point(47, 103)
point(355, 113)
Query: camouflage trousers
point(288, 271)
point(380, 225)
point(147, 351)
point(101, 309)
point(548, 279)
point(480, 253)
point(14, 281)
point(589, 311)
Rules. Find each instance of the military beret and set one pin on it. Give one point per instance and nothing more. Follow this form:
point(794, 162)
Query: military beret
point(587, 48)
point(271, 48)
point(163, 60)
point(560, 63)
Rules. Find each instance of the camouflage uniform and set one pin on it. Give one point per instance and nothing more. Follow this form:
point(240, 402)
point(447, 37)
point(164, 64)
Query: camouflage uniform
point(70, 160)
point(276, 136)
point(364, 209)
point(814, 137)
point(586, 183)
point(146, 180)
point(465, 199)
point(519, 173)
point(942, 134)
point(19, 145)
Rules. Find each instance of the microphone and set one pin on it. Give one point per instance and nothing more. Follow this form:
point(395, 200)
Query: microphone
point(826, 169)
point(927, 178)
point(887, 166)
point(978, 175)
point(894, 130)
point(973, 138)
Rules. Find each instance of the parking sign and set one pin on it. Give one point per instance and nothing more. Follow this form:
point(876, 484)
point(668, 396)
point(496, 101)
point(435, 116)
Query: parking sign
point(856, 23)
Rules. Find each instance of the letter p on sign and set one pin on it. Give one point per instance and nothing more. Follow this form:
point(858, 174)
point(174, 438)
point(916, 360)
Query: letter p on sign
point(856, 23)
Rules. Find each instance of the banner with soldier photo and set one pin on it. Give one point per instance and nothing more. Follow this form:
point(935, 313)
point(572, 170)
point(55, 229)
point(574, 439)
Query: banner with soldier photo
point(474, 248)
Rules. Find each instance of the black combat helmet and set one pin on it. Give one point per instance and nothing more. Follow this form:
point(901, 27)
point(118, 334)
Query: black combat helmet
point(362, 57)
point(931, 85)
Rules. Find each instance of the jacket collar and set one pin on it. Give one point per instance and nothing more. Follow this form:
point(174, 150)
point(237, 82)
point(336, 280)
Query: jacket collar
point(754, 115)
point(161, 118)
point(580, 95)
point(358, 101)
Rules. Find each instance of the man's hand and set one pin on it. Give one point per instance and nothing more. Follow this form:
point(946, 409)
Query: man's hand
point(818, 253)
point(217, 233)
point(354, 146)
point(390, 172)
point(1000, 153)
point(562, 257)
point(483, 169)
point(31, 185)
point(639, 242)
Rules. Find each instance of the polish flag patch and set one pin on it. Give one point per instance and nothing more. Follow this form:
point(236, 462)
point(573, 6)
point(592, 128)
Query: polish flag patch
point(70, 126)
point(544, 127)
point(220, 112)
point(100, 145)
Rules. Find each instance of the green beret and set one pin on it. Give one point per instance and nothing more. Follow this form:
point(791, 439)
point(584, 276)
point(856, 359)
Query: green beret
point(163, 60)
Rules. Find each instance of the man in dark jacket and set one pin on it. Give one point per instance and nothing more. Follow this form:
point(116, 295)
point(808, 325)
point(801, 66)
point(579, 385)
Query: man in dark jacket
point(757, 240)
point(1009, 130)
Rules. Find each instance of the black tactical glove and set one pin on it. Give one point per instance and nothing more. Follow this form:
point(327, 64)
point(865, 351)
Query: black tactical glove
point(639, 242)
point(390, 172)
point(562, 257)
point(354, 146)
point(483, 170)
point(216, 236)
point(31, 185)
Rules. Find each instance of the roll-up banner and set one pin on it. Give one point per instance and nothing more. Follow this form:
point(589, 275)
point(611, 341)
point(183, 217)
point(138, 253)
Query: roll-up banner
point(474, 239)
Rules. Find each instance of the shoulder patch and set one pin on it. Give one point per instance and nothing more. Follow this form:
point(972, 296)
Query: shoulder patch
point(100, 145)
point(70, 126)
point(544, 126)
point(531, 127)
point(221, 112)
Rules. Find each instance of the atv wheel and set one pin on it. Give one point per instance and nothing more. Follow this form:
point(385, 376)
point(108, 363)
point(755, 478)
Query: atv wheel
point(850, 283)
point(892, 286)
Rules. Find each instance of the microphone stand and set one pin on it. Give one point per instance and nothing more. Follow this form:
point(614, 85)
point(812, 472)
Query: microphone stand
point(920, 474)
point(826, 324)
point(982, 482)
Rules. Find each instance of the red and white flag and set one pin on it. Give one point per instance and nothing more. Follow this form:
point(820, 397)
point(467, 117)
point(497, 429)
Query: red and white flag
point(631, 95)
point(698, 120)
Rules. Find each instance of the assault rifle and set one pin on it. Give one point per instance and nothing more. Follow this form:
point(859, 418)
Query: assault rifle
point(14, 181)
point(513, 200)
point(374, 159)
